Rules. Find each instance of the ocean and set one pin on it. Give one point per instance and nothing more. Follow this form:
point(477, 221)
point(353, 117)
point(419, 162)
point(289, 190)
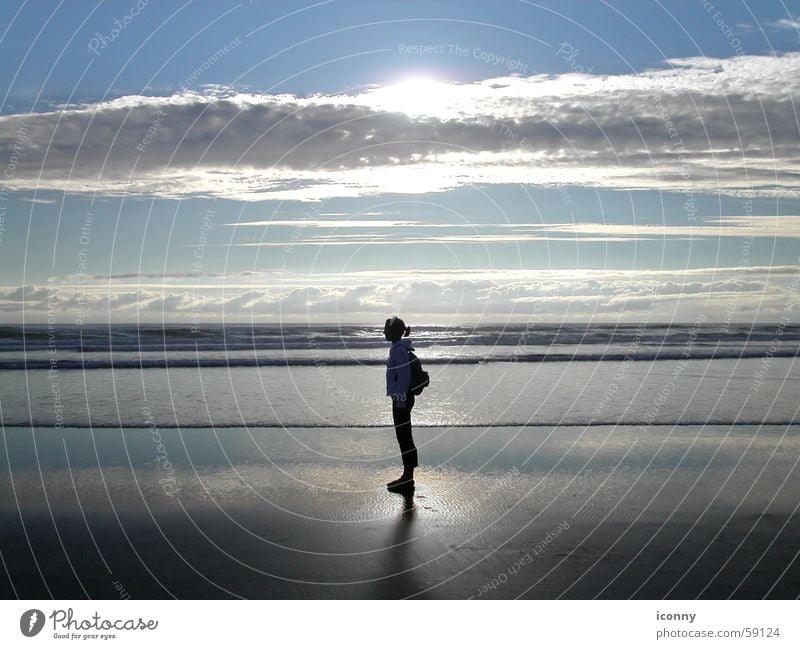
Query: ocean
point(174, 376)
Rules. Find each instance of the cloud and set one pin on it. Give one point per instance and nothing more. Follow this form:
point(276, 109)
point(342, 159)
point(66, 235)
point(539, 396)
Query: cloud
point(39, 201)
point(770, 227)
point(31, 294)
point(705, 125)
point(786, 23)
point(330, 223)
point(743, 294)
point(350, 232)
point(284, 279)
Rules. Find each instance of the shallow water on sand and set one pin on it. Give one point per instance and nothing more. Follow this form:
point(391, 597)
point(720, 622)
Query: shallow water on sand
point(501, 393)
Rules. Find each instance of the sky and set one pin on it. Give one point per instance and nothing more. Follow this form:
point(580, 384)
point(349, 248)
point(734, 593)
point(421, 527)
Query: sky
point(449, 162)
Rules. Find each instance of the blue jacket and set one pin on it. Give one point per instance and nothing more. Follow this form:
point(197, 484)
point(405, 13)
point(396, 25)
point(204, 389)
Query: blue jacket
point(398, 368)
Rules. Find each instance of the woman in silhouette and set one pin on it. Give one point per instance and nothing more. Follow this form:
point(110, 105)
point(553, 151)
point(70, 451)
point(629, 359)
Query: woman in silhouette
point(398, 382)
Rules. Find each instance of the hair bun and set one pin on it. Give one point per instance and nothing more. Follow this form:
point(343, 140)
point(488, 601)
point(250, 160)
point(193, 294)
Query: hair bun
point(396, 328)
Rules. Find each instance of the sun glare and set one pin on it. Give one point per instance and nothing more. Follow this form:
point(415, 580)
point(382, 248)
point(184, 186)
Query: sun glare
point(415, 96)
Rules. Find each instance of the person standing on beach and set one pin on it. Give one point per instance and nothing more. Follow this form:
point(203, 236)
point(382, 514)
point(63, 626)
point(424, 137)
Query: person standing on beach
point(398, 384)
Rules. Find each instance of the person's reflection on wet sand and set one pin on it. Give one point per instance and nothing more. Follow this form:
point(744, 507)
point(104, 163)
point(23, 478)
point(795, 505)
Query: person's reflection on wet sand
point(400, 565)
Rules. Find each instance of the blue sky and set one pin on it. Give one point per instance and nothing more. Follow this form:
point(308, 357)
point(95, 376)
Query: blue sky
point(448, 161)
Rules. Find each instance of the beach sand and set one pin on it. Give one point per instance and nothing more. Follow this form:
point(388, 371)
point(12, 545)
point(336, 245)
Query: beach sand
point(508, 512)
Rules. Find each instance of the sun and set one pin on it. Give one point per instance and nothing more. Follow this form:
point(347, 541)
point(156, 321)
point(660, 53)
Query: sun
point(415, 96)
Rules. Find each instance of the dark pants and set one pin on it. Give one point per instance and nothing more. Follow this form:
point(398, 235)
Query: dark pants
point(402, 427)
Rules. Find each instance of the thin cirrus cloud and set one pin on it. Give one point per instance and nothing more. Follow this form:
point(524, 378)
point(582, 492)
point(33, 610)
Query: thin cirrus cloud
point(786, 23)
point(699, 125)
point(769, 227)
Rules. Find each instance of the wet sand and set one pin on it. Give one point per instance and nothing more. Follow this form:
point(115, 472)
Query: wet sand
point(531, 512)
